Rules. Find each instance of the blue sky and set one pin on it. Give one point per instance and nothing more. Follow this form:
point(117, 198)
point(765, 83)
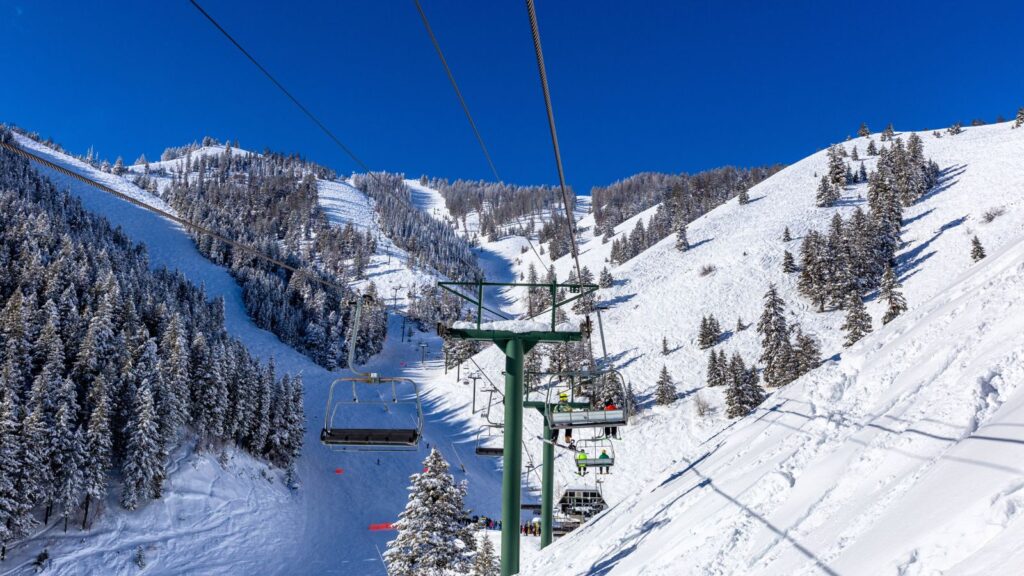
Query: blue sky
point(666, 86)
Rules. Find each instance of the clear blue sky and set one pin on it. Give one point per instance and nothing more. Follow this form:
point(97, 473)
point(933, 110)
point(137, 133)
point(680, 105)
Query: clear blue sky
point(668, 86)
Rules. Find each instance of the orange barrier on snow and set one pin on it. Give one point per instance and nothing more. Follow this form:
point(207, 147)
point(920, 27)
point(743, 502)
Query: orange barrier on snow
point(382, 527)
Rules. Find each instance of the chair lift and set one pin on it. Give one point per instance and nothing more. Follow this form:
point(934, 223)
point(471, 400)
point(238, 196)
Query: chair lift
point(489, 441)
point(349, 437)
point(581, 503)
point(608, 384)
point(600, 453)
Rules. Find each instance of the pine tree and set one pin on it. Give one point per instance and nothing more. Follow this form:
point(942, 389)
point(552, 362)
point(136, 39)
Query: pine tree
point(682, 244)
point(836, 169)
point(710, 332)
point(98, 447)
point(827, 194)
point(788, 265)
point(1020, 118)
point(889, 291)
point(67, 451)
point(12, 502)
point(889, 133)
point(955, 129)
point(142, 452)
point(806, 352)
point(744, 393)
point(858, 321)
point(665, 389)
point(786, 236)
point(977, 250)
point(872, 149)
point(863, 131)
point(744, 196)
point(433, 535)
point(605, 280)
point(664, 346)
point(714, 370)
point(776, 351)
point(486, 562)
point(854, 154)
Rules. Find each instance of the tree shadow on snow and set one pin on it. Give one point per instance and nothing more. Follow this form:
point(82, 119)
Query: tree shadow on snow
point(618, 300)
point(700, 243)
point(947, 177)
point(913, 258)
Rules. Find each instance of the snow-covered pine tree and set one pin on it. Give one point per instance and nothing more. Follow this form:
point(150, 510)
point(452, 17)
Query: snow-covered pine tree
point(98, 447)
point(142, 451)
point(713, 371)
point(858, 321)
point(665, 389)
point(434, 538)
point(889, 292)
point(786, 236)
point(709, 332)
point(977, 250)
point(664, 346)
point(826, 195)
point(67, 451)
point(605, 280)
point(836, 169)
point(955, 128)
point(744, 393)
point(788, 265)
point(854, 154)
point(682, 244)
point(806, 352)
point(1020, 118)
point(776, 351)
point(486, 562)
point(863, 131)
point(889, 133)
point(872, 149)
point(12, 502)
point(744, 196)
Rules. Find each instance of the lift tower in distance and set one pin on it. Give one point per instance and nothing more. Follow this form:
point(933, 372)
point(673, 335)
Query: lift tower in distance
point(515, 339)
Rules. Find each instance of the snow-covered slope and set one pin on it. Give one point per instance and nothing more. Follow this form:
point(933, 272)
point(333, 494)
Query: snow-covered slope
point(831, 466)
point(238, 517)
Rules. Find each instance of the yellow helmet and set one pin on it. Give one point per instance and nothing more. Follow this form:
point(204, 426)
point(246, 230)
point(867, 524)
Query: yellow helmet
point(563, 396)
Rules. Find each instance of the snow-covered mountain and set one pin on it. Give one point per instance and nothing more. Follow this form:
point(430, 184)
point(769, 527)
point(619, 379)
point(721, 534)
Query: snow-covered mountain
point(230, 513)
point(898, 455)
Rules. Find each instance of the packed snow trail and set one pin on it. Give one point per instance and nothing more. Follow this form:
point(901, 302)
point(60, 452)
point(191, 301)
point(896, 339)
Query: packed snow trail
point(238, 518)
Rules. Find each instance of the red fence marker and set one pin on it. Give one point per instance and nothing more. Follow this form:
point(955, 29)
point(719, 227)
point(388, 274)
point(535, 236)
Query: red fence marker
point(382, 527)
point(339, 471)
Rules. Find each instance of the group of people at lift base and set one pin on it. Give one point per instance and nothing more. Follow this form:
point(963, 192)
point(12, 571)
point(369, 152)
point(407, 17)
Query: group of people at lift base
point(581, 455)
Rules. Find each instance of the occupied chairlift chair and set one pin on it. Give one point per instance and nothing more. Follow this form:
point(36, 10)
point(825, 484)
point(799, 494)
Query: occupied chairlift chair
point(368, 439)
point(593, 447)
point(611, 383)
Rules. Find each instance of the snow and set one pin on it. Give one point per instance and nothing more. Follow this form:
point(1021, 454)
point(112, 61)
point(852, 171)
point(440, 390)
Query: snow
point(217, 518)
point(517, 326)
point(898, 456)
point(389, 267)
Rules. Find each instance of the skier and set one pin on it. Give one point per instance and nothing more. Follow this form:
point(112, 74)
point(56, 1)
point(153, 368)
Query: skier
point(581, 465)
point(563, 406)
point(611, 431)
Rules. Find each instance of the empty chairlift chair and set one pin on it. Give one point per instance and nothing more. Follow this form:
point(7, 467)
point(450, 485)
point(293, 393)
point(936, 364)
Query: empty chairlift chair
point(490, 441)
point(353, 425)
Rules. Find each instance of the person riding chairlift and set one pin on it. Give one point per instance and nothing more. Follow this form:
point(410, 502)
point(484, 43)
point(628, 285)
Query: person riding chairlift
point(563, 406)
point(581, 465)
point(604, 456)
point(611, 431)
